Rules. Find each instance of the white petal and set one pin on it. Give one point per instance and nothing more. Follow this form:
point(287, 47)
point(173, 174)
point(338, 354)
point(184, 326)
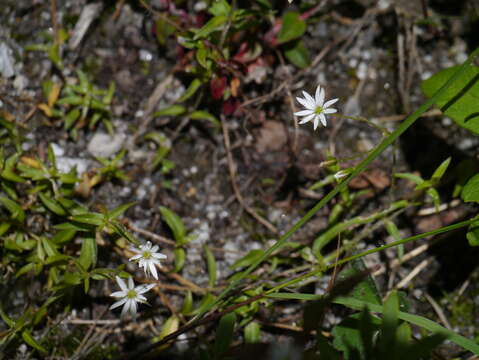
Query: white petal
point(323, 119)
point(140, 298)
point(307, 118)
point(309, 99)
point(153, 270)
point(315, 122)
point(136, 257)
point(329, 111)
point(126, 308)
point(305, 103)
point(131, 284)
point(118, 303)
point(329, 103)
point(144, 288)
point(317, 95)
point(155, 248)
point(121, 283)
point(159, 256)
point(148, 245)
point(119, 294)
point(304, 113)
point(133, 308)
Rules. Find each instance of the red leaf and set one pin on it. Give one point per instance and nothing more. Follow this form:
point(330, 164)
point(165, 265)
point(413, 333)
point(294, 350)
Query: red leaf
point(217, 87)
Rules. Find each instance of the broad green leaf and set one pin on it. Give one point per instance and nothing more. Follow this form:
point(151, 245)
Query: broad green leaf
point(460, 101)
point(416, 320)
point(194, 86)
point(58, 260)
point(470, 192)
point(214, 24)
point(219, 7)
point(224, 334)
point(365, 290)
point(173, 110)
point(211, 265)
point(390, 323)
point(176, 225)
point(297, 54)
point(252, 333)
point(347, 336)
point(292, 28)
point(473, 234)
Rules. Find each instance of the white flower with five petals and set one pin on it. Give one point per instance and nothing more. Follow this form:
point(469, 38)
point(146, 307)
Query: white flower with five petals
point(129, 296)
point(316, 108)
point(148, 258)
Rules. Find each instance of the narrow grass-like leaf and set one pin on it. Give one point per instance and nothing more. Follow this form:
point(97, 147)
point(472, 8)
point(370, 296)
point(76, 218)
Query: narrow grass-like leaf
point(224, 334)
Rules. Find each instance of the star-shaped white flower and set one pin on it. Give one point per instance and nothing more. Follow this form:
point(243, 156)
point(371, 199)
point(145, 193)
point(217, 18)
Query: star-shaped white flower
point(316, 108)
point(148, 258)
point(129, 296)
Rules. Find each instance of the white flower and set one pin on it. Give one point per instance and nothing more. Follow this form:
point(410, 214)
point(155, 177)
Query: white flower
point(340, 174)
point(130, 295)
point(148, 258)
point(316, 108)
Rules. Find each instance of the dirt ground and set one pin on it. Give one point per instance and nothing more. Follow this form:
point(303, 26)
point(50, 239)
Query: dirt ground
point(372, 55)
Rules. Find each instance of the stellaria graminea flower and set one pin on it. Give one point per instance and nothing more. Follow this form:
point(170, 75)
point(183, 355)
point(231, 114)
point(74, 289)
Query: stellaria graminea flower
point(148, 258)
point(340, 174)
point(129, 296)
point(316, 108)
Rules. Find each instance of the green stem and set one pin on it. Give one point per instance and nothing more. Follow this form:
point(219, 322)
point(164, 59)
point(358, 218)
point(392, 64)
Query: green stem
point(372, 251)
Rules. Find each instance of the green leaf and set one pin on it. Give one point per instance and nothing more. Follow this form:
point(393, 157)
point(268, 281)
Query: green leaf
point(88, 253)
point(298, 54)
point(347, 336)
point(441, 169)
point(473, 234)
point(173, 110)
point(292, 28)
point(187, 304)
point(204, 115)
point(58, 260)
point(416, 320)
point(470, 192)
point(220, 7)
point(176, 225)
point(211, 265)
point(248, 259)
point(224, 334)
point(28, 338)
point(120, 230)
point(206, 301)
point(15, 210)
point(52, 205)
point(411, 177)
point(180, 258)
point(460, 100)
point(194, 86)
point(90, 219)
point(252, 333)
point(365, 290)
point(214, 24)
point(390, 324)
point(113, 214)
